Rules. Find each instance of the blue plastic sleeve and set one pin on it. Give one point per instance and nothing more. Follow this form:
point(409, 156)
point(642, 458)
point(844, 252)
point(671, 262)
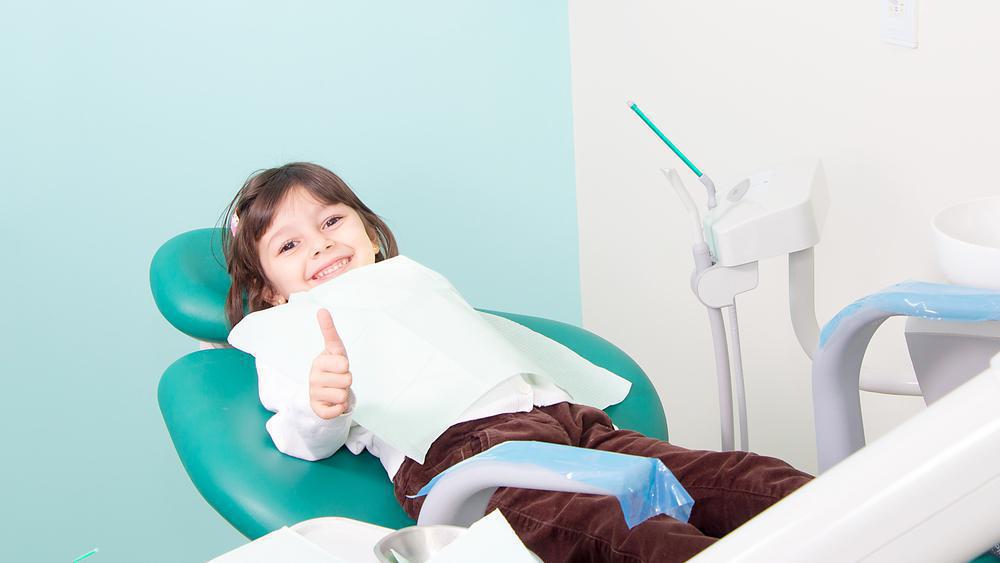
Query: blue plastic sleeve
point(644, 486)
point(933, 301)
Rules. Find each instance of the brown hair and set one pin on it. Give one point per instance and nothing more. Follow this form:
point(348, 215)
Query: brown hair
point(255, 205)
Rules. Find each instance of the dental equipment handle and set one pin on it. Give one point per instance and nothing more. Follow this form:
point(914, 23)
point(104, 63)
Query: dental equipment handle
point(681, 190)
point(703, 261)
point(705, 180)
point(710, 188)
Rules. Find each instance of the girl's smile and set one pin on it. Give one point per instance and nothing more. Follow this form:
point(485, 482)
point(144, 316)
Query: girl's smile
point(333, 268)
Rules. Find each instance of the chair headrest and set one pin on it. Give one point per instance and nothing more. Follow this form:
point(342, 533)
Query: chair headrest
point(189, 282)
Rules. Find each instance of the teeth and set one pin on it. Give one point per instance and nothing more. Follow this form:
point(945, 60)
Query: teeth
point(336, 266)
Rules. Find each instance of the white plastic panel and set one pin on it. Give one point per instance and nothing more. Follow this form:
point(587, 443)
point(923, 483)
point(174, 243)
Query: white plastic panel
point(781, 210)
point(927, 491)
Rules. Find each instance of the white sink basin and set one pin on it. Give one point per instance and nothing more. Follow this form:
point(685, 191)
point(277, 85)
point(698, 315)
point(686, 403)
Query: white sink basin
point(967, 242)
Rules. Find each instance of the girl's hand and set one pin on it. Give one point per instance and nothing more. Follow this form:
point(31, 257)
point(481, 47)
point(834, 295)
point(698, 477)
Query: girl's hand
point(329, 378)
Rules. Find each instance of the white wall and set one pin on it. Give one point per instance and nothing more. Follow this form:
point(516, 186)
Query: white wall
point(741, 85)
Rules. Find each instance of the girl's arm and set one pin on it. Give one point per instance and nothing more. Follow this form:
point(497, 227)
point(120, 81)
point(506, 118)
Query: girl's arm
point(296, 429)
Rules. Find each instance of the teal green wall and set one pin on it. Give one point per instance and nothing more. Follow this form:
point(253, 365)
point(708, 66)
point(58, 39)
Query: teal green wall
point(124, 123)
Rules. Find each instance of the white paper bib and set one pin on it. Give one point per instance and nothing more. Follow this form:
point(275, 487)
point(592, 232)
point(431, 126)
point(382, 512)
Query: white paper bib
point(419, 354)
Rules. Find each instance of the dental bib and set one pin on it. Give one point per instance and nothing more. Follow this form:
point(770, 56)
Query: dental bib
point(419, 354)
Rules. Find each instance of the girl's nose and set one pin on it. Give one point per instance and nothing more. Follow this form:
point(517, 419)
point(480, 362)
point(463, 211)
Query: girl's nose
point(323, 247)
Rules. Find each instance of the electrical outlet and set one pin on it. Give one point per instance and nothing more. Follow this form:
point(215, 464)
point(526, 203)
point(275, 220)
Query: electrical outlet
point(899, 22)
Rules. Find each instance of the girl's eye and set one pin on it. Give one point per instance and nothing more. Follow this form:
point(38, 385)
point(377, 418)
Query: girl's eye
point(287, 246)
point(331, 221)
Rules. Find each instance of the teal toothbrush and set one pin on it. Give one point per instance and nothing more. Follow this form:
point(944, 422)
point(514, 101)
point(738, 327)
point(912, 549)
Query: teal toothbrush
point(705, 180)
point(85, 555)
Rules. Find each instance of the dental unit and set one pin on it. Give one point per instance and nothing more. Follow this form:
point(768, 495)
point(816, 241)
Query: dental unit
point(928, 490)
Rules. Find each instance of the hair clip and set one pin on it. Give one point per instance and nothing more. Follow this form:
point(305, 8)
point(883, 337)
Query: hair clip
point(233, 223)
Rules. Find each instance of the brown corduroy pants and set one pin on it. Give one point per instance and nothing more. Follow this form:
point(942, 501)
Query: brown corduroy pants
point(729, 488)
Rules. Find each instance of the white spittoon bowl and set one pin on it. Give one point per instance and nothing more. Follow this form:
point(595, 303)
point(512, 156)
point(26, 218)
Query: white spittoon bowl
point(416, 543)
point(967, 242)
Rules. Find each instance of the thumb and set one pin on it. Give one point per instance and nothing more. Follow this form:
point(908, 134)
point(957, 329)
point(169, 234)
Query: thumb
point(331, 340)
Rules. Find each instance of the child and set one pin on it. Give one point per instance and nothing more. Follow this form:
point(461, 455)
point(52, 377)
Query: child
point(298, 226)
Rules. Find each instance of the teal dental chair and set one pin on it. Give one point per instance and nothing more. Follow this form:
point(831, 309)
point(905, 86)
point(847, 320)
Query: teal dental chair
point(210, 405)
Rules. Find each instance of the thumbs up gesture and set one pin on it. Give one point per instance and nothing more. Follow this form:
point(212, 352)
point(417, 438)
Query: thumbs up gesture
point(329, 378)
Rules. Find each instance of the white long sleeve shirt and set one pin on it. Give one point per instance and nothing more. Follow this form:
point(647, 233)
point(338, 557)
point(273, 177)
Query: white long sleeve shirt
point(297, 431)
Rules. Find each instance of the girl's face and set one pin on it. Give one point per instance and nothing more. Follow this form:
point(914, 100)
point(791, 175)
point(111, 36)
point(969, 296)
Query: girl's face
point(310, 243)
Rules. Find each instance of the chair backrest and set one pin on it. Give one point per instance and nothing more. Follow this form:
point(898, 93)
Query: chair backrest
point(210, 405)
point(189, 282)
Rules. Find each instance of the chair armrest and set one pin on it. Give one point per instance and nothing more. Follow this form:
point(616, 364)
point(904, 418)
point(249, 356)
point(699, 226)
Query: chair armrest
point(644, 486)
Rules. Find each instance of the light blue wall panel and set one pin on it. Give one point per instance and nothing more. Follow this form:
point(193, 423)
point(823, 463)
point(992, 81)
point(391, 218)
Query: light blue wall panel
point(124, 123)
